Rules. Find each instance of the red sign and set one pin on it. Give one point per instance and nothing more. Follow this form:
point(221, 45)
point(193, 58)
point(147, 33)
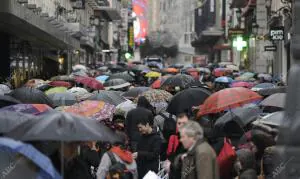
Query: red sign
point(200, 59)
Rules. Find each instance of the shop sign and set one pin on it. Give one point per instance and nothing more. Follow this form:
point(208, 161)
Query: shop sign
point(236, 31)
point(271, 48)
point(277, 33)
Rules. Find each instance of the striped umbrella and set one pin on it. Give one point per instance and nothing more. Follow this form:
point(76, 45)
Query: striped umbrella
point(110, 97)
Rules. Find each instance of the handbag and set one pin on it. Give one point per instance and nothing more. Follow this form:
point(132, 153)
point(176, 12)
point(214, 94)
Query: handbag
point(226, 158)
point(262, 174)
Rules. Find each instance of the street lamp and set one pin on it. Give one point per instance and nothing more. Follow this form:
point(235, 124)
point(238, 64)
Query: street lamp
point(255, 27)
point(92, 20)
point(238, 14)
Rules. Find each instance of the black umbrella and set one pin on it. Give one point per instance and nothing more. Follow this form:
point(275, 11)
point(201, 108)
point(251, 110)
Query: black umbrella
point(239, 117)
point(110, 97)
point(6, 100)
point(180, 80)
point(116, 68)
point(139, 68)
point(116, 84)
point(57, 126)
point(11, 119)
point(273, 119)
point(63, 99)
point(31, 96)
point(275, 100)
point(270, 91)
point(63, 78)
point(186, 99)
point(125, 76)
point(44, 87)
point(135, 92)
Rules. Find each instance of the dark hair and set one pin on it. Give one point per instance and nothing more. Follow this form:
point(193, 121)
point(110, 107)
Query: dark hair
point(146, 119)
point(144, 103)
point(123, 138)
point(182, 114)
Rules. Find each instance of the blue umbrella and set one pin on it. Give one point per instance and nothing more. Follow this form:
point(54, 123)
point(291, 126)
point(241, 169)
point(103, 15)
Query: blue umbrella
point(224, 79)
point(9, 146)
point(102, 78)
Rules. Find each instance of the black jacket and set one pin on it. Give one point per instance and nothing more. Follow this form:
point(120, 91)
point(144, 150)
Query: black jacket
point(148, 149)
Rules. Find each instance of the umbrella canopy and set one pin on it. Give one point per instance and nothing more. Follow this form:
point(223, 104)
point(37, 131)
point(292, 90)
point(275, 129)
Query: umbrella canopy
point(242, 116)
point(275, 100)
point(78, 74)
point(102, 78)
point(218, 72)
point(6, 100)
point(35, 109)
point(4, 89)
point(186, 99)
point(114, 84)
point(273, 119)
point(157, 83)
point(63, 99)
point(246, 76)
point(125, 76)
point(266, 77)
point(180, 80)
point(204, 70)
point(79, 67)
point(156, 95)
point(98, 110)
point(263, 86)
point(139, 68)
point(241, 84)
point(63, 78)
point(135, 92)
point(58, 126)
point(270, 91)
point(170, 70)
point(9, 152)
point(11, 119)
point(123, 108)
point(56, 90)
point(90, 82)
point(60, 84)
point(33, 83)
point(153, 74)
point(227, 98)
point(110, 97)
point(31, 96)
point(232, 67)
point(223, 79)
point(116, 68)
point(80, 93)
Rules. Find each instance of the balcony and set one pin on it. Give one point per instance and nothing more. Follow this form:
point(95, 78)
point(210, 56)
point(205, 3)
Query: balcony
point(87, 41)
point(239, 3)
point(77, 30)
point(108, 10)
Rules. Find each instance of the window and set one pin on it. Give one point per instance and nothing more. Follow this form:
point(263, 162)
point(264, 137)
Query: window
point(186, 38)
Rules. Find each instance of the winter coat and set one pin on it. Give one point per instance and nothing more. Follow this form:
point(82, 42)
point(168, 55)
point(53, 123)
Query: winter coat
point(131, 122)
point(175, 171)
point(125, 158)
point(148, 150)
point(200, 162)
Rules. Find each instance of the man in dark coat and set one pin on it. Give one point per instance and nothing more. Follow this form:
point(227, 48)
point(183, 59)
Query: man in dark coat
point(148, 148)
point(142, 111)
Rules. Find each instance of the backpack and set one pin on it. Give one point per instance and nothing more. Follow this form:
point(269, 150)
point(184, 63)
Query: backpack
point(169, 127)
point(117, 170)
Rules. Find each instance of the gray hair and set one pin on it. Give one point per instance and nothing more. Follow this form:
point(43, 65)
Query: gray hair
point(192, 129)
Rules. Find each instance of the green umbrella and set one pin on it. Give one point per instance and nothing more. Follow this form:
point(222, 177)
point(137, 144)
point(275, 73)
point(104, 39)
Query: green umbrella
point(56, 90)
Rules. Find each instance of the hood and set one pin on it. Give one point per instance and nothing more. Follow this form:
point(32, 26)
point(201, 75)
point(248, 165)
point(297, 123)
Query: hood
point(125, 155)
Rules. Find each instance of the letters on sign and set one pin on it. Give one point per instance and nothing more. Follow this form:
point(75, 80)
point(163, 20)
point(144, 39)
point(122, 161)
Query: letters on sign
point(277, 34)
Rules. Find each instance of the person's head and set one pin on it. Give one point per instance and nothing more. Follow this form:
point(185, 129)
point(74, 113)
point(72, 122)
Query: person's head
point(145, 124)
point(123, 139)
point(190, 133)
point(70, 150)
point(245, 160)
point(181, 119)
point(143, 102)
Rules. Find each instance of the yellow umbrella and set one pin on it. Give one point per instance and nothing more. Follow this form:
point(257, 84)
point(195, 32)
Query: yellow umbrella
point(56, 90)
point(153, 74)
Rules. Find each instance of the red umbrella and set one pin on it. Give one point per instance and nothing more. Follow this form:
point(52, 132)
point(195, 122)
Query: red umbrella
point(60, 84)
point(241, 84)
point(227, 98)
point(221, 71)
point(157, 83)
point(89, 82)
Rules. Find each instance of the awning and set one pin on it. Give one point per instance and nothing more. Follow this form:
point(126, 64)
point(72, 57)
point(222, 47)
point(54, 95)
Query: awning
point(238, 3)
point(189, 51)
point(19, 20)
point(207, 39)
point(107, 12)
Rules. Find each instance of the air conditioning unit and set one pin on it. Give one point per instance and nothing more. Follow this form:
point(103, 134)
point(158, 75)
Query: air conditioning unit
point(78, 4)
point(44, 14)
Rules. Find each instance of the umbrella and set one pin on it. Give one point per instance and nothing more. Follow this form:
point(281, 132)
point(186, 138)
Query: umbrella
point(63, 99)
point(10, 150)
point(116, 68)
point(123, 108)
point(273, 119)
point(241, 84)
point(157, 83)
point(246, 76)
point(177, 65)
point(31, 96)
point(102, 78)
point(78, 74)
point(263, 86)
point(80, 93)
point(227, 98)
point(44, 87)
point(63, 78)
point(156, 96)
point(223, 79)
point(90, 82)
point(35, 109)
point(56, 90)
point(233, 67)
point(266, 77)
point(110, 97)
point(135, 92)
point(170, 70)
point(218, 72)
point(139, 68)
point(153, 74)
point(58, 126)
point(270, 91)
point(98, 110)
point(34, 83)
point(79, 67)
point(103, 68)
point(125, 76)
point(6, 100)
point(11, 119)
point(4, 89)
point(186, 99)
point(60, 84)
point(204, 70)
point(242, 116)
point(116, 84)
point(180, 80)
point(275, 100)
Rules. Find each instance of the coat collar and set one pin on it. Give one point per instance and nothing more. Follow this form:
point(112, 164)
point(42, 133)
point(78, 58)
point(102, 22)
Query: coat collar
point(192, 150)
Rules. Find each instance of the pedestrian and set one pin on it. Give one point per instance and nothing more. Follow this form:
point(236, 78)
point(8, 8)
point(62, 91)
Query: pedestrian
point(200, 161)
point(118, 161)
point(148, 147)
point(245, 164)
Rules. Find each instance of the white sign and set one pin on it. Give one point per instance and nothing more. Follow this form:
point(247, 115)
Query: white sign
point(277, 34)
